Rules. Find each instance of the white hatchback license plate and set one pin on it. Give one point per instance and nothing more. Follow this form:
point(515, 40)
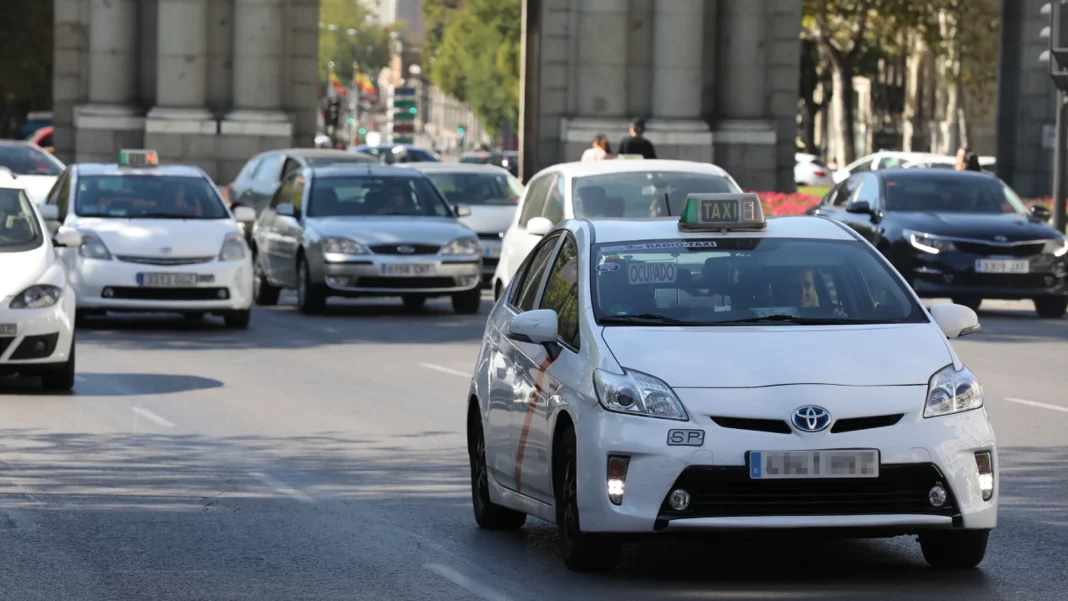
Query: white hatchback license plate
point(167, 280)
point(845, 463)
point(492, 252)
point(409, 269)
point(1002, 266)
point(8, 329)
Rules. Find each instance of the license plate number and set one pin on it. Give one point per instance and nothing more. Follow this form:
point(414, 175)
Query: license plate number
point(8, 329)
point(167, 280)
point(409, 269)
point(492, 252)
point(850, 463)
point(1002, 266)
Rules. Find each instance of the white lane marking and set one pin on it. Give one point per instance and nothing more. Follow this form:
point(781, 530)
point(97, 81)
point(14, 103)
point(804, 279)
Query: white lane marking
point(282, 487)
point(25, 490)
point(152, 417)
point(472, 586)
point(445, 370)
point(1037, 404)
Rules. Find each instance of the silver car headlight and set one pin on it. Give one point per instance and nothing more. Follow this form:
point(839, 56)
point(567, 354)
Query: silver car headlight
point(343, 246)
point(1058, 247)
point(950, 391)
point(461, 246)
point(927, 243)
point(637, 393)
point(93, 247)
point(233, 248)
point(37, 297)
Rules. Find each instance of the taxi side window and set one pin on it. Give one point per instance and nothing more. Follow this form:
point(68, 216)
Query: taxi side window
point(63, 200)
point(296, 191)
point(527, 288)
point(55, 194)
point(282, 194)
point(534, 202)
point(561, 292)
point(869, 191)
point(269, 168)
point(554, 205)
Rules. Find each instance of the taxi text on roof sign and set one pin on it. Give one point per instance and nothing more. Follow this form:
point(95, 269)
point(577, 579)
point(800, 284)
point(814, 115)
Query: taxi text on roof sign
point(722, 212)
point(138, 158)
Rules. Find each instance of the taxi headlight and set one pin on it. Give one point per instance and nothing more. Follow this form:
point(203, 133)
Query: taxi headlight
point(928, 243)
point(37, 297)
point(950, 391)
point(1058, 247)
point(343, 246)
point(461, 246)
point(233, 248)
point(639, 394)
point(93, 247)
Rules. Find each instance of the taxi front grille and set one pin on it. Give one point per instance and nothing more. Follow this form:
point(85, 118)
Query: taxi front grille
point(730, 492)
point(168, 294)
point(405, 283)
point(165, 260)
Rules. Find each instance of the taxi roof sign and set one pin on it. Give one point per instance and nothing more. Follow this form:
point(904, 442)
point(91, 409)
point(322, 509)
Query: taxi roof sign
point(138, 158)
point(723, 212)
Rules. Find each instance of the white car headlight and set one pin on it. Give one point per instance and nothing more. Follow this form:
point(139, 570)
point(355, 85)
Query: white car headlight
point(93, 247)
point(951, 391)
point(927, 243)
point(461, 246)
point(343, 246)
point(1058, 247)
point(37, 297)
point(639, 394)
point(233, 248)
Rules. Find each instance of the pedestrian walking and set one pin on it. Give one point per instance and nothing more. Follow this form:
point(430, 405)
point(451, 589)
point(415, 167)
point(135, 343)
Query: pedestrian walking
point(599, 151)
point(635, 143)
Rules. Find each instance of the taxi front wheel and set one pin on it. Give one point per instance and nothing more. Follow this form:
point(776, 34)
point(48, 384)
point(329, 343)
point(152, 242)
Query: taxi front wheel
point(954, 549)
point(488, 514)
point(582, 551)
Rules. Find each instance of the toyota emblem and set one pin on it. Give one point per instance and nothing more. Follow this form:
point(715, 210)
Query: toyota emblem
point(166, 250)
point(811, 418)
point(406, 249)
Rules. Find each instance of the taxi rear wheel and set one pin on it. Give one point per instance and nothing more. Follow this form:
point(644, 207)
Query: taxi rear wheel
point(582, 551)
point(238, 320)
point(311, 298)
point(488, 514)
point(955, 550)
point(60, 378)
point(263, 292)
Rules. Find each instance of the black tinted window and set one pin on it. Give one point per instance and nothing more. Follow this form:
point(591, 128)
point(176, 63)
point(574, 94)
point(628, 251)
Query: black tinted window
point(950, 193)
point(28, 160)
point(478, 188)
point(527, 288)
point(340, 159)
point(561, 292)
point(375, 195)
point(19, 229)
point(148, 197)
point(642, 194)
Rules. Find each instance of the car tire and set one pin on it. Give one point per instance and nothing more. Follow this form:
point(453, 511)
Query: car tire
point(954, 549)
point(413, 301)
point(263, 292)
point(1051, 307)
point(497, 288)
point(468, 301)
point(581, 551)
point(61, 377)
point(488, 515)
point(972, 302)
point(238, 320)
point(311, 297)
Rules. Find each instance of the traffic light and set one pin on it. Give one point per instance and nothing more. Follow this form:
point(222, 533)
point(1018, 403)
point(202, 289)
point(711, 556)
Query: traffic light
point(352, 121)
point(460, 130)
point(1057, 35)
point(404, 111)
point(363, 131)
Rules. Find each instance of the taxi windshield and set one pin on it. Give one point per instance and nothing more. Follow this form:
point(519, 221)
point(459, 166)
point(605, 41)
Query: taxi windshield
point(19, 229)
point(950, 193)
point(28, 160)
point(478, 188)
point(743, 280)
point(366, 196)
point(644, 193)
point(129, 196)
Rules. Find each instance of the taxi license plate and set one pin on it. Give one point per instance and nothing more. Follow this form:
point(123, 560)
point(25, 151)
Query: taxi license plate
point(167, 280)
point(492, 252)
point(409, 269)
point(844, 463)
point(8, 329)
point(1002, 266)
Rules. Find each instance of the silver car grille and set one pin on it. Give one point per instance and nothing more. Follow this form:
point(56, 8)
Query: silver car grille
point(165, 260)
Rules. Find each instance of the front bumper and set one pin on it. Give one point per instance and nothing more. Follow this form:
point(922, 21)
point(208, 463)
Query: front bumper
point(43, 338)
point(113, 286)
point(954, 273)
point(428, 275)
point(915, 453)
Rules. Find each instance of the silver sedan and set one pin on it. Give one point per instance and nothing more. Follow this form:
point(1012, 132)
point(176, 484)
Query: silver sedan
point(353, 231)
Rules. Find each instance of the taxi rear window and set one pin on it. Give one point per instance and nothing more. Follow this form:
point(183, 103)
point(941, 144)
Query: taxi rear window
point(728, 280)
point(643, 194)
point(149, 196)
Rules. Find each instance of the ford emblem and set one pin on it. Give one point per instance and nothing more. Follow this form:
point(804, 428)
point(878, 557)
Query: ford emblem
point(811, 418)
point(406, 249)
point(166, 250)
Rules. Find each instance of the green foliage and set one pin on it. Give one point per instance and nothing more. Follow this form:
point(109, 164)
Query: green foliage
point(473, 50)
point(26, 33)
point(369, 46)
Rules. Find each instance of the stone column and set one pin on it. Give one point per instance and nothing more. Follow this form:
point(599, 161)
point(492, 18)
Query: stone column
point(181, 69)
point(602, 60)
point(678, 47)
point(259, 49)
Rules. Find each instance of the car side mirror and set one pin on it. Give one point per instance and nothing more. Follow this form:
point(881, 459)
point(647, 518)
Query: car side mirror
point(286, 209)
point(955, 320)
point(539, 226)
point(245, 214)
point(860, 206)
point(1040, 212)
point(463, 211)
point(67, 238)
point(535, 327)
point(49, 212)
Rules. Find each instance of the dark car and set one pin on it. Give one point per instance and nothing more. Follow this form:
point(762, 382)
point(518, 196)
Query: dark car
point(958, 234)
point(262, 174)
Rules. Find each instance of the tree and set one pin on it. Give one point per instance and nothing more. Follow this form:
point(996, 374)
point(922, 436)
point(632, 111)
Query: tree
point(348, 36)
point(26, 34)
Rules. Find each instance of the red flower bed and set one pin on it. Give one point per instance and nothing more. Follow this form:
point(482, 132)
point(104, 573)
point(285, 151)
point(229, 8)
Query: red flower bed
point(783, 203)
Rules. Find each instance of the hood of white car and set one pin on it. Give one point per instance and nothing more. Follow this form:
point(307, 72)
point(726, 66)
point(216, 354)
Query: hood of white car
point(23, 269)
point(37, 186)
point(489, 219)
point(160, 237)
point(743, 357)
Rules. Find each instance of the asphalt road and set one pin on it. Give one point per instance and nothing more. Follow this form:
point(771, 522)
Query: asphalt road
point(323, 459)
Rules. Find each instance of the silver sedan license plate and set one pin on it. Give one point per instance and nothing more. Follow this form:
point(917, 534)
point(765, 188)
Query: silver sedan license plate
point(409, 269)
point(837, 463)
point(8, 329)
point(167, 280)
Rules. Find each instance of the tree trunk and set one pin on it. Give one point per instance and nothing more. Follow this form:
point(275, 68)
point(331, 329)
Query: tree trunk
point(808, 126)
point(843, 110)
point(809, 81)
point(915, 115)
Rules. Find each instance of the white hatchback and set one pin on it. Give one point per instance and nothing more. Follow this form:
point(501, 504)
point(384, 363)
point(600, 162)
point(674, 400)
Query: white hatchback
point(36, 302)
point(707, 375)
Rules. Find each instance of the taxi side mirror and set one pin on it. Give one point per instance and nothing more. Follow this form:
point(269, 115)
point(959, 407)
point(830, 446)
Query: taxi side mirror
point(67, 238)
point(286, 209)
point(955, 320)
point(539, 226)
point(49, 212)
point(244, 214)
point(860, 206)
point(463, 210)
point(535, 327)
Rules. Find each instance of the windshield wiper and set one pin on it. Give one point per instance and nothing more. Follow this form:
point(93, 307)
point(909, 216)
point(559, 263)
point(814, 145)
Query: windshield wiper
point(641, 317)
point(804, 321)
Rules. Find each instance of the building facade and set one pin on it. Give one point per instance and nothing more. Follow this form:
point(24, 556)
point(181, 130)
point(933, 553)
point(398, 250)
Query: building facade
point(715, 80)
point(203, 82)
point(408, 12)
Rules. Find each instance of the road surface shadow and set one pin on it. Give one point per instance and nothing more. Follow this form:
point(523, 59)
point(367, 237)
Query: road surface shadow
point(113, 385)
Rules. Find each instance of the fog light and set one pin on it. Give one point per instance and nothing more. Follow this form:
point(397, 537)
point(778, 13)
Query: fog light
point(107, 293)
point(985, 463)
point(337, 280)
point(617, 477)
point(223, 293)
point(679, 499)
point(937, 496)
point(39, 347)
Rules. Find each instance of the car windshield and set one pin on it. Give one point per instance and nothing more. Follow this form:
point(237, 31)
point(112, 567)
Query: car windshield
point(746, 280)
point(19, 229)
point(950, 193)
point(129, 196)
point(28, 160)
point(643, 193)
point(478, 188)
point(340, 159)
point(353, 196)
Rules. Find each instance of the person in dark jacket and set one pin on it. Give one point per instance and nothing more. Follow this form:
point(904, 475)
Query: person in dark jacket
point(635, 143)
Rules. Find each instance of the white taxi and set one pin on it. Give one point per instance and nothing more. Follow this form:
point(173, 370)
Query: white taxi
point(707, 374)
point(36, 301)
point(601, 189)
point(154, 239)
